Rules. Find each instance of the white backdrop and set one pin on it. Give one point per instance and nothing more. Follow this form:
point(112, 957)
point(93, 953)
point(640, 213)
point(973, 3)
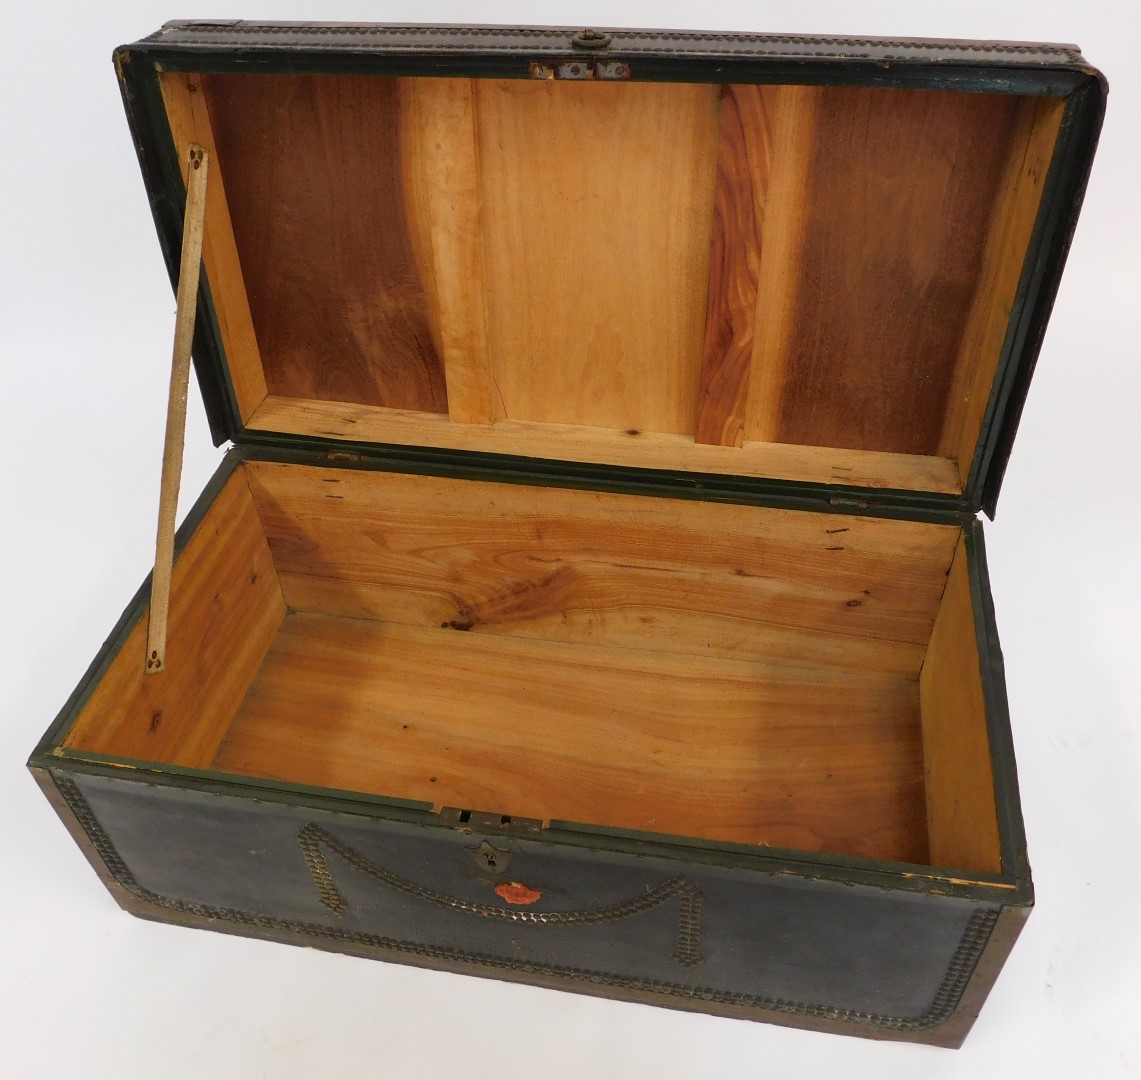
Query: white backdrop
point(86, 317)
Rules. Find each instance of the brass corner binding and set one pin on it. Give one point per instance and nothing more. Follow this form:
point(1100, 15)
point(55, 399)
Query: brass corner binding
point(197, 169)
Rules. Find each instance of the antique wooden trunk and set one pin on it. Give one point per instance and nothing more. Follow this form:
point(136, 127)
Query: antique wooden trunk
point(593, 594)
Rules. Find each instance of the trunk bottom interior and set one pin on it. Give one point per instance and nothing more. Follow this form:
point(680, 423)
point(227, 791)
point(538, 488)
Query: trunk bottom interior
point(745, 674)
point(724, 749)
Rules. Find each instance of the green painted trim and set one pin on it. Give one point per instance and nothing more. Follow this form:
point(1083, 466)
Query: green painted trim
point(543, 472)
point(162, 175)
point(845, 870)
point(1011, 829)
point(1062, 196)
point(920, 877)
point(139, 768)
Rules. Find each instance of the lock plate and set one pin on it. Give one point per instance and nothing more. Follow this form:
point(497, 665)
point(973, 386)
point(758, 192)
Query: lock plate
point(482, 821)
point(491, 859)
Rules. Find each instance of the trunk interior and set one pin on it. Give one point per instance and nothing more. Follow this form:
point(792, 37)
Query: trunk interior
point(804, 283)
point(730, 673)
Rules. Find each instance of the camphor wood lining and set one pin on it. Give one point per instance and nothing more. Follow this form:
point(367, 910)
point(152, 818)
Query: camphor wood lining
point(757, 668)
point(173, 444)
point(757, 171)
point(226, 607)
point(962, 822)
point(790, 756)
point(738, 211)
point(598, 201)
point(788, 115)
point(1020, 190)
point(717, 267)
point(442, 181)
point(573, 442)
point(336, 284)
point(896, 203)
point(190, 123)
point(767, 676)
point(661, 574)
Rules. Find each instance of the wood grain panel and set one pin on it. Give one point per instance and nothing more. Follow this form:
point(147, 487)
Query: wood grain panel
point(744, 160)
point(806, 267)
point(320, 214)
point(189, 121)
point(494, 556)
point(442, 178)
point(962, 820)
point(641, 449)
point(1020, 193)
point(598, 200)
point(807, 759)
point(898, 207)
point(598, 611)
point(226, 606)
point(790, 112)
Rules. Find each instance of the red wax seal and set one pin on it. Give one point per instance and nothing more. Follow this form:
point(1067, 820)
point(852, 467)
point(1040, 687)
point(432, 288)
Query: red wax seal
point(514, 893)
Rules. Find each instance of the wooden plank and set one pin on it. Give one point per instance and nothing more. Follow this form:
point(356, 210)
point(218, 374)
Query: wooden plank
point(315, 179)
point(175, 438)
point(598, 200)
point(790, 114)
point(1008, 237)
point(545, 248)
point(640, 449)
point(896, 209)
point(189, 121)
point(744, 159)
point(226, 606)
point(808, 759)
point(496, 556)
point(597, 611)
point(442, 181)
point(962, 820)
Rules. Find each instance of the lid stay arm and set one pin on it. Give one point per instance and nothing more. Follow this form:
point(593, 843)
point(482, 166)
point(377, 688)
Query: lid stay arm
point(175, 439)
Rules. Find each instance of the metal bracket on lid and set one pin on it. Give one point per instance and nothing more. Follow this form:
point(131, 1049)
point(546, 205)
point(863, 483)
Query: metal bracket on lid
point(584, 67)
point(593, 70)
point(175, 440)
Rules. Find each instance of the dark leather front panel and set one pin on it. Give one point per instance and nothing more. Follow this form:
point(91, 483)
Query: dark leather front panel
point(760, 938)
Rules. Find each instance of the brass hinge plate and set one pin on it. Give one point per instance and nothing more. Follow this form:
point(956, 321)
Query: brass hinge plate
point(582, 69)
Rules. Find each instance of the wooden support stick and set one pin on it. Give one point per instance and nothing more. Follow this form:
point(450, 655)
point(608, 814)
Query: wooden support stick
point(176, 407)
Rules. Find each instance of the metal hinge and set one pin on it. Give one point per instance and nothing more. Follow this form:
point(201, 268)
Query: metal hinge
point(579, 67)
point(602, 70)
point(847, 502)
point(340, 455)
